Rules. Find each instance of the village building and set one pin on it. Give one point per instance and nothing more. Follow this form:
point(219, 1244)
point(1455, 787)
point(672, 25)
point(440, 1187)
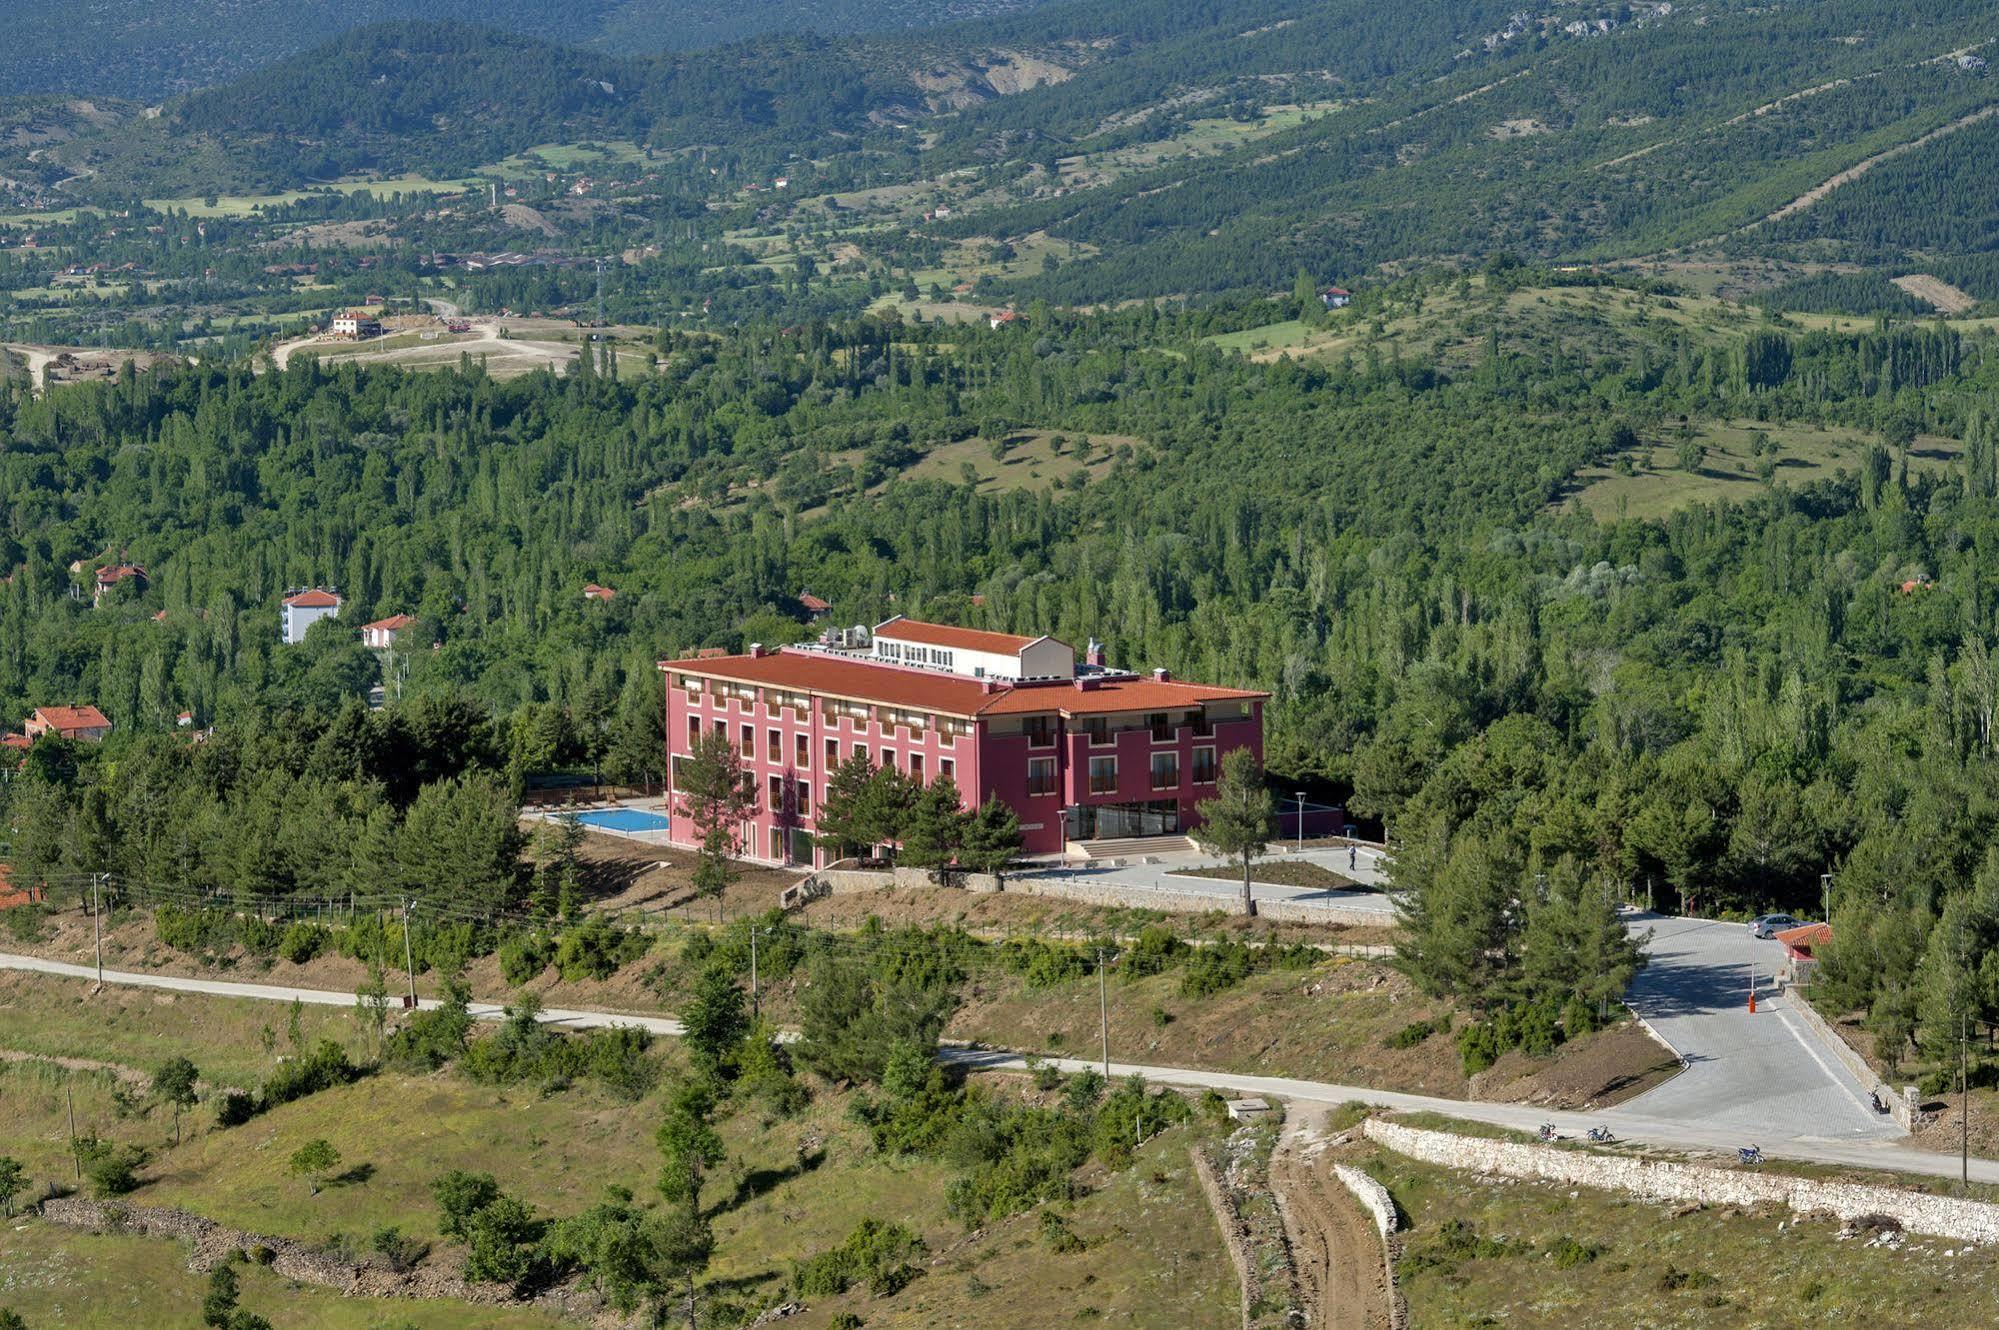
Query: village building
point(111, 577)
point(85, 724)
point(303, 609)
point(381, 634)
point(356, 324)
point(591, 591)
point(1084, 753)
point(1336, 297)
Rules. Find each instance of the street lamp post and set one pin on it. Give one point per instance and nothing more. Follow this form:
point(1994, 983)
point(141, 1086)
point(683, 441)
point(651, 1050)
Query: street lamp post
point(1825, 897)
point(1301, 821)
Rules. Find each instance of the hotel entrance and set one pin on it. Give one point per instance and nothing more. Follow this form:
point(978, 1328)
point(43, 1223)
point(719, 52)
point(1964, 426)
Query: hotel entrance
point(1127, 821)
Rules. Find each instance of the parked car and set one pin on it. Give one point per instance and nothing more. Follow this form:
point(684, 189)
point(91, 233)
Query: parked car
point(1769, 925)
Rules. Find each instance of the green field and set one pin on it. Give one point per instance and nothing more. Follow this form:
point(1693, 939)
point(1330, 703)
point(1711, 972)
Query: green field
point(1657, 485)
point(242, 205)
point(52, 1277)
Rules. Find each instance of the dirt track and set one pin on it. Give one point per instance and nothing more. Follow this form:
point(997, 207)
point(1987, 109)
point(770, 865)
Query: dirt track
point(1333, 1241)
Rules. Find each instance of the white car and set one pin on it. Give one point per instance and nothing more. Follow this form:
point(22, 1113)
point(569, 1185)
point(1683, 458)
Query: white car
point(1769, 925)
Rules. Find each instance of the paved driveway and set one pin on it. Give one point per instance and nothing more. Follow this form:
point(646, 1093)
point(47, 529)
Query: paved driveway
point(1162, 878)
point(1765, 1076)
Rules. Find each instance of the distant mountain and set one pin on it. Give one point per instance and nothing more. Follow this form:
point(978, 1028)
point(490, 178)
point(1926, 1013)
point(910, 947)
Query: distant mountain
point(150, 49)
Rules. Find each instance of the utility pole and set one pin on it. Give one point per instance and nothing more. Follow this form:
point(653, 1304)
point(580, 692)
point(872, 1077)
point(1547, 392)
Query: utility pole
point(1825, 897)
point(1301, 822)
point(97, 927)
point(409, 962)
point(69, 1094)
point(1104, 1013)
point(756, 1005)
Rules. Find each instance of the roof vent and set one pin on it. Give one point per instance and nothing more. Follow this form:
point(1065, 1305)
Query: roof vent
point(756, 650)
point(1161, 676)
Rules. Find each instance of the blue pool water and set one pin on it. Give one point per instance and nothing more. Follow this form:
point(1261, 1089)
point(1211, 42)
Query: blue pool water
point(624, 819)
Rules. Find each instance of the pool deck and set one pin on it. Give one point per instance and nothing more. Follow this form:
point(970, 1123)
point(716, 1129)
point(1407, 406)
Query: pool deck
point(655, 807)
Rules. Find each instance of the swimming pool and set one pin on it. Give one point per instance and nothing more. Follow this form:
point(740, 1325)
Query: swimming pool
point(624, 819)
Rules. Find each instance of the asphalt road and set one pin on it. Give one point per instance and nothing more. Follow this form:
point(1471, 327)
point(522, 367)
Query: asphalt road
point(1633, 1122)
point(1761, 1077)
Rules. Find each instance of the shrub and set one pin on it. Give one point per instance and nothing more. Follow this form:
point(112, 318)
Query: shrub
point(301, 942)
point(111, 1169)
point(1569, 1253)
point(429, 1039)
point(1043, 965)
point(399, 1249)
point(596, 950)
point(1411, 1035)
point(323, 1068)
point(1057, 1236)
point(502, 1237)
point(234, 1108)
point(878, 1254)
point(24, 922)
point(191, 929)
point(524, 956)
point(1217, 969)
point(459, 1196)
point(1155, 951)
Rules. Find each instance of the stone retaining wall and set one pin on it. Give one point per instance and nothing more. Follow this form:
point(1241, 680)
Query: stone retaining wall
point(1374, 1199)
point(210, 1244)
point(1902, 1104)
point(1222, 1207)
point(1935, 1216)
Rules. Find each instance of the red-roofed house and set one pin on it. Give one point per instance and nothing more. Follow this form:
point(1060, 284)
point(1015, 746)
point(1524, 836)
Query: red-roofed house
point(591, 591)
point(1801, 945)
point(109, 577)
point(303, 609)
point(86, 723)
point(1082, 754)
point(381, 634)
point(813, 606)
point(1336, 297)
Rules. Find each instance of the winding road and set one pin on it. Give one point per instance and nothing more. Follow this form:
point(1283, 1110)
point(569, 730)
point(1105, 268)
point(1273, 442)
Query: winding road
point(1675, 1128)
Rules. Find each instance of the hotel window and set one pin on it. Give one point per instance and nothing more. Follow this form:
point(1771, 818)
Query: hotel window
point(803, 750)
point(777, 843)
point(1103, 775)
point(1165, 771)
point(804, 799)
point(1204, 725)
point(749, 745)
point(1040, 731)
point(916, 767)
point(693, 732)
point(775, 804)
point(888, 759)
point(774, 745)
point(1162, 726)
point(1041, 775)
point(947, 769)
point(1099, 728)
point(1204, 766)
point(832, 753)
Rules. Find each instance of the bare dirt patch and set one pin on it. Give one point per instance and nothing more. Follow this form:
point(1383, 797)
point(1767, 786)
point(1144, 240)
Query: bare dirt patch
point(1594, 1072)
point(1936, 291)
point(1299, 873)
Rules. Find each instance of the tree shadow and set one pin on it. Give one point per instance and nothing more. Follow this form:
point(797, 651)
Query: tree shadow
point(759, 1181)
point(356, 1176)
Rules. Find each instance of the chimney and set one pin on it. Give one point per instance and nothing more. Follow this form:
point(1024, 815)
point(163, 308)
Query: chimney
point(756, 650)
point(1095, 654)
point(1161, 676)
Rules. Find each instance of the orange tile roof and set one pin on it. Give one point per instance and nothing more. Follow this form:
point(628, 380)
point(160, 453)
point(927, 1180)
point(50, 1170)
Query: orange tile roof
point(1111, 697)
point(314, 599)
point(813, 603)
point(948, 635)
point(953, 694)
point(1805, 936)
point(64, 719)
point(394, 623)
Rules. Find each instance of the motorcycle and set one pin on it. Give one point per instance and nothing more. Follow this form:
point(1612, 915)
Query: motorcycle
point(1600, 1136)
point(1874, 1098)
point(1547, 1132)
point(1749, 1154)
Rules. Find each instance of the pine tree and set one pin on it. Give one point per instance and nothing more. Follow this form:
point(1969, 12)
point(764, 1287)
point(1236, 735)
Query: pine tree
point(1236, 822)
point(717, 795)
point(936, 827)
point(843, 813)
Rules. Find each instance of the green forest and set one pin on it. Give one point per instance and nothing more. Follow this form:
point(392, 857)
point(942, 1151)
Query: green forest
point(1716, 706)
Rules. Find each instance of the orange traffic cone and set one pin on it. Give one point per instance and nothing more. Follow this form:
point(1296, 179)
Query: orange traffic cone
point(1752, 1002)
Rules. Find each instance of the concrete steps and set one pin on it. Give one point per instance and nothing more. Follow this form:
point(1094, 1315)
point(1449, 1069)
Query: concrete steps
point(1135, 847)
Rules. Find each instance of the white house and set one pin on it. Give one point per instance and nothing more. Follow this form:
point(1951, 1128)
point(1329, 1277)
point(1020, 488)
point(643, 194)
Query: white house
point(381, 634)
point(303, 609)
point(983, 655)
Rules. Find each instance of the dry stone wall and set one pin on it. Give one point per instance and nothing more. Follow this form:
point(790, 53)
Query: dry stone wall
point(1663, 1180)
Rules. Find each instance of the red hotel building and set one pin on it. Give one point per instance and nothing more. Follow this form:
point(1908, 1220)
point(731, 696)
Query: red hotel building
point(1081, 752)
